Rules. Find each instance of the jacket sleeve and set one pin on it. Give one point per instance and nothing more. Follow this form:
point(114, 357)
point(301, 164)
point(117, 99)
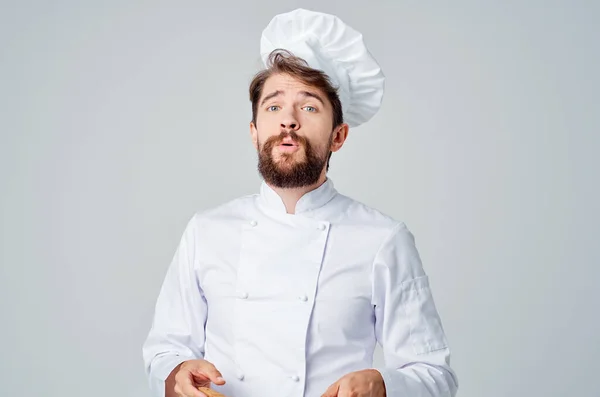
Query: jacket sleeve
point(407, 324)
point(177, 331)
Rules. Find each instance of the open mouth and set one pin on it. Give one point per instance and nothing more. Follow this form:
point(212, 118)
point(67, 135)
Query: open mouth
point(288, 147)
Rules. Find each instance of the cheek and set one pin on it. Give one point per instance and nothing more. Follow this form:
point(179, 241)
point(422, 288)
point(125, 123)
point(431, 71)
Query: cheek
point(265, 128)
point(263, 138)
point(320, 120)
point(266, 119)
point(316, 128)
point(320, 141)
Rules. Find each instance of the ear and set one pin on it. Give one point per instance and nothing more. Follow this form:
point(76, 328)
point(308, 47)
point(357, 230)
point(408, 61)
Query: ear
point(254, 135)
point(340, 133)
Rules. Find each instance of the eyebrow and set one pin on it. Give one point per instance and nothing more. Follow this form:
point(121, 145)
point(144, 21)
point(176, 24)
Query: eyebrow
point(312, 95)
point(270, 96)
point(303, 93)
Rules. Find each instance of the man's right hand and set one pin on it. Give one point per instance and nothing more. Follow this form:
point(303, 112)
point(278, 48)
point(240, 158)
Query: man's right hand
point(188, 376)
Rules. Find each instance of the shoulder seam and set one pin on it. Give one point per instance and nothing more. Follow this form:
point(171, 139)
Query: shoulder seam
point(387, 238)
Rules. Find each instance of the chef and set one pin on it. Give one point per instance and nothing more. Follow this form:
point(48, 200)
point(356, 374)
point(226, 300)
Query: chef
point(287, 292)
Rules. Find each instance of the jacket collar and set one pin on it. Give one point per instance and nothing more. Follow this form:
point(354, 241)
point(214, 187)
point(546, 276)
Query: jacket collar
point(310, 201)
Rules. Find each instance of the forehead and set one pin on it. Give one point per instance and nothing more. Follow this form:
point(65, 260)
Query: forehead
point(288, 84)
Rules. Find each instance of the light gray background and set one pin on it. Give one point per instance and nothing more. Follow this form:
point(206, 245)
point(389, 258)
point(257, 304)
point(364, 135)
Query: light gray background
point(121, 119)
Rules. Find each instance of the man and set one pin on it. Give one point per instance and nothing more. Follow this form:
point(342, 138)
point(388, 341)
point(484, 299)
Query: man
point(287, 292)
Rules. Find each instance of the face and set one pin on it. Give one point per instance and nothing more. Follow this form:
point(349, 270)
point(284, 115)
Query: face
point(293, 133)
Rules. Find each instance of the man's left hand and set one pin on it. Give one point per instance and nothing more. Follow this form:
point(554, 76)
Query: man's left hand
point(365, 383)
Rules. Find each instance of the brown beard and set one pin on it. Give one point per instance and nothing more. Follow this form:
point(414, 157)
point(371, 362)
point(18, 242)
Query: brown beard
point(287, 172)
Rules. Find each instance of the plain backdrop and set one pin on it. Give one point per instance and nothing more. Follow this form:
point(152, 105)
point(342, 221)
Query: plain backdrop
point(120, 119)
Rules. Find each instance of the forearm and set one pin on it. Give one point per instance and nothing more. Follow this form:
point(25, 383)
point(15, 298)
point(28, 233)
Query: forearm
point(420, 380)
point(407, 323)
point(177, 332)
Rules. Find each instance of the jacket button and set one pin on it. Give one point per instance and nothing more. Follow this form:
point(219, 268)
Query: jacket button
point(240, 376)
point(295, 378)
point(303, 298)
point(322, 226)
point(253, 223)
point(243, 295)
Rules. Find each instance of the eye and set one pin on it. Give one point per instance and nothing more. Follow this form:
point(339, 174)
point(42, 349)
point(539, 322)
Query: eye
point(310, 109)
point(272, 108)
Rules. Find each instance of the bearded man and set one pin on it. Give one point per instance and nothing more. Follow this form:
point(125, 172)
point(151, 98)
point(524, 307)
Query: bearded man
point(288, 291)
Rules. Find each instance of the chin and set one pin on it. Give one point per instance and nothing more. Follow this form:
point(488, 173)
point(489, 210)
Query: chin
point(289, 158)
point(285, 165)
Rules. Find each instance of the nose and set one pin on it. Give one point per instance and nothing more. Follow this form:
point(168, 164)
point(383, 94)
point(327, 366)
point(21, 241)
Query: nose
point(290, 122)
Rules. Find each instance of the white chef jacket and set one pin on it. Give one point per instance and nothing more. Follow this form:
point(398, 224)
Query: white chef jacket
point(286, 304)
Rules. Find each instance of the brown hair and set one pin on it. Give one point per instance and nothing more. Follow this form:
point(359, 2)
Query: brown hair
point(283, 61)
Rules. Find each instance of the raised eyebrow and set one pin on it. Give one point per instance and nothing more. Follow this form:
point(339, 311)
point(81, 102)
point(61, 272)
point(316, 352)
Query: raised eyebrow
point(313, 95)
point(271, 96)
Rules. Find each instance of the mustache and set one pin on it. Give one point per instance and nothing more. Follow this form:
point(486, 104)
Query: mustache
point(291, 134)
point(277, 139)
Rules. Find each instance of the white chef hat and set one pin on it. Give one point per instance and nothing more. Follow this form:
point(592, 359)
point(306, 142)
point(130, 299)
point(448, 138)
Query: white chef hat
point(328, 44)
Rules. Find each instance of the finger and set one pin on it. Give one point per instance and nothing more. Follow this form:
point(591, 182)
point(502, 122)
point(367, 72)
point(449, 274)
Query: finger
point(346, 390)
point(332, 391)
point(177, 390)
point(211, 372)
point(191, 391)
point(187, 387)
point(204, 379)
point(200, 380)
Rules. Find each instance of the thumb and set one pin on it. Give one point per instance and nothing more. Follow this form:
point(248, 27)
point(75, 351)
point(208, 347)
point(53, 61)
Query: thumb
point(210, 371)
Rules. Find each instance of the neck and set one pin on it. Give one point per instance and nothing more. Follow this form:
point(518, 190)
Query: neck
point(290, 196)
